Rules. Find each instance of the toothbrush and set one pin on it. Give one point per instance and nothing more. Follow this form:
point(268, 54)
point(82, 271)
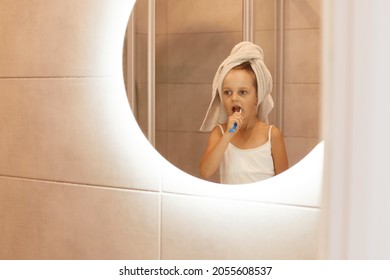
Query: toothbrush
point(233, 129)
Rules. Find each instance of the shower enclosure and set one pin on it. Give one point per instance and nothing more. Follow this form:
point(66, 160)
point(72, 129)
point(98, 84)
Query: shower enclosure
point(173, 48)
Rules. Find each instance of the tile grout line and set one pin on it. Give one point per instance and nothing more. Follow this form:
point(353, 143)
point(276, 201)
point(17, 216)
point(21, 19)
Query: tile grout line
point(75, 184)
point(160, 227)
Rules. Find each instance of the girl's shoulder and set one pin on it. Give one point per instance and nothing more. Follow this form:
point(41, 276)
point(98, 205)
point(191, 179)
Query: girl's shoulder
point(263, 127)
point(262, 124)
point(275, 132)
point(223, 125)
point(219, 129)
point(269, 129)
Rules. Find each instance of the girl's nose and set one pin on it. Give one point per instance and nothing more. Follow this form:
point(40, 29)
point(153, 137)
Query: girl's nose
point(234, 96)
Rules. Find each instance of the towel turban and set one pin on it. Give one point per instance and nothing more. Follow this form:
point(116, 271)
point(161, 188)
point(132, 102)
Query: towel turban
point(242, 52)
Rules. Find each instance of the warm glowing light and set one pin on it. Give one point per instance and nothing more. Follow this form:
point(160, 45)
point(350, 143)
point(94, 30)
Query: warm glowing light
point(300, 185)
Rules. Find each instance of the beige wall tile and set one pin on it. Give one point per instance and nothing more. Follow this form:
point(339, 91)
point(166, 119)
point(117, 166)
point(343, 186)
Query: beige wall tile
point(73, 130)
point(54, 38)
point(267, 41)
point(43, 220)
point(161, 143)
point(299, 147)
point(140, 10)
point(195, 58)
point(264, 12)
point(161, 59)
point(162, 106)
point(161, 16)
point(141, 58)
point(187, 106)
point(206, 228)
point(186, 149)
point(142, 106)
point(141, 16)
point(301, 110)
point(188, 16)
point(303, 14)
point(302, 56)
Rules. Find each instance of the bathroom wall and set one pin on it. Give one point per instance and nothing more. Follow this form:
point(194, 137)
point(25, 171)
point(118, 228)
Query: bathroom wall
point(265, 34)
point(74, 185)
point(65, 147)
point(290, 34)
point(192, 38)
point(301, 76)
point(198, 37)
point(78, 180)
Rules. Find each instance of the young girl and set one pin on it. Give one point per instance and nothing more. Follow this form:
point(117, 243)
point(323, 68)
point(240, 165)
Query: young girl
point(242, 144)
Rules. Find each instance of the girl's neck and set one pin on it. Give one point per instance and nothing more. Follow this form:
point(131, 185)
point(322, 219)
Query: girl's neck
point(249, 123)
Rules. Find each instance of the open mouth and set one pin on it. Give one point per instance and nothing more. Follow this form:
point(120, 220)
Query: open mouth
point(236, 109)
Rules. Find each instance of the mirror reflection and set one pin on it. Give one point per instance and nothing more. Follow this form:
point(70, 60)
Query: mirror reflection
point(190, 40)
point(242, 145)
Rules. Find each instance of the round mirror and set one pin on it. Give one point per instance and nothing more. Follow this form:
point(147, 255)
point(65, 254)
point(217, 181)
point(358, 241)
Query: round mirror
point(174, 47)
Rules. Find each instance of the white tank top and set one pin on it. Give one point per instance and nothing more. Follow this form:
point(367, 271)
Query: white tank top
point(241, 166)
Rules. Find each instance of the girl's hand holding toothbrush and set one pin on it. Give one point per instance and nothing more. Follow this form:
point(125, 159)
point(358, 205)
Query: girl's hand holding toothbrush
point(235, 121)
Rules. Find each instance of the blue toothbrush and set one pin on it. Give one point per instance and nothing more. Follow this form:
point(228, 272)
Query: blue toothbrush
point(233, 129)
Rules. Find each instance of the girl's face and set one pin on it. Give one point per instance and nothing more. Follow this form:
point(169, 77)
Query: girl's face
point(239, 92)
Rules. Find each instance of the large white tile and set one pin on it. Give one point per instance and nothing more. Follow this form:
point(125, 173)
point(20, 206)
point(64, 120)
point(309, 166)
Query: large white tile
point(207, 228)
point(74, 130)
point(62, 38)
point(45, 220)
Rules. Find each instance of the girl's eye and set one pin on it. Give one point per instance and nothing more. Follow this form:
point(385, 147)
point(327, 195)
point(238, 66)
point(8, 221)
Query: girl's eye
point(227, 92)
point(243, 92)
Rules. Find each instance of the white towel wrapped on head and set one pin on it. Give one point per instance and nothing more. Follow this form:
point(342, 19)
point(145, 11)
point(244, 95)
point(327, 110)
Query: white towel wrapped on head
point(242, 52)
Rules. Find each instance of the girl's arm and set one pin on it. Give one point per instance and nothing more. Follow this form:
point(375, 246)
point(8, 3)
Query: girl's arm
point(278, 149)
point(215, 150)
